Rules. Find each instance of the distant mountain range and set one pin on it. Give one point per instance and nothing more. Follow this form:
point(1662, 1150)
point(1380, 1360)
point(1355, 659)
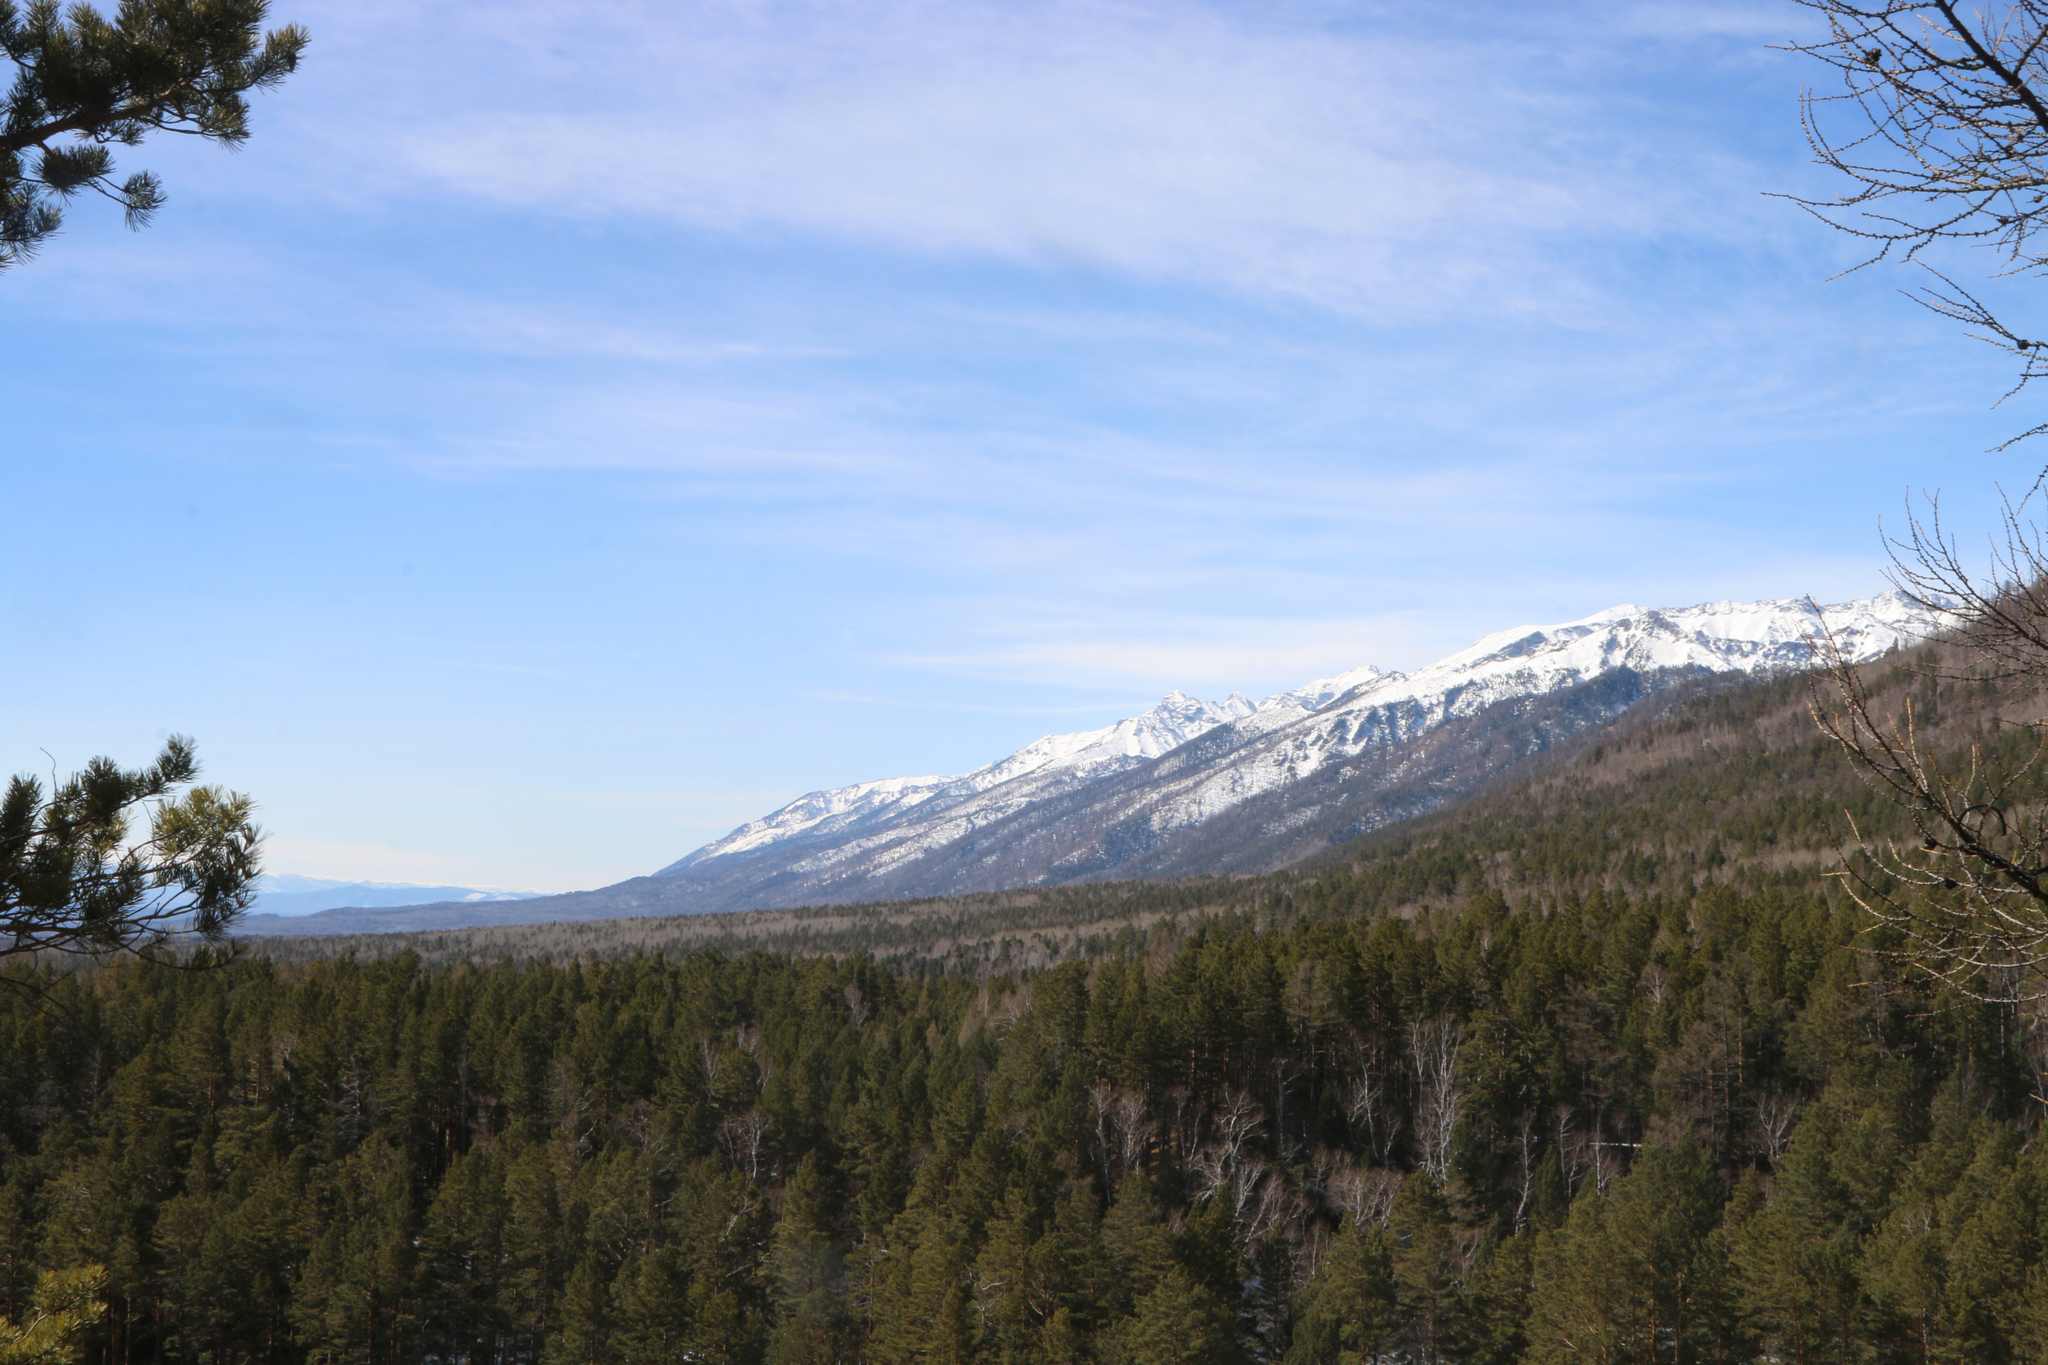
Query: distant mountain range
point(286, 895)
point(1194, 786)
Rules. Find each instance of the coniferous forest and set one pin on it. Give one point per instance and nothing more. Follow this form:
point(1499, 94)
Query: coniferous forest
point(1604, 1128)
point(1603, 1067)
point(1600, 1067)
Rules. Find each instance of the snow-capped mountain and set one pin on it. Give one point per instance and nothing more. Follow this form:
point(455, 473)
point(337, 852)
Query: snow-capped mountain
point(1203, 787)
point(1287, 743)
point(1061, 760)
point(1120, 799)
point(1718, 637)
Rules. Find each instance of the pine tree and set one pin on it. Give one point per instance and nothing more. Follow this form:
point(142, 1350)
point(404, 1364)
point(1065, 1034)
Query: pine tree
point(74, 875)
point(918, 1302)
point(66, 1305)
point(1181, 1322)
point(809, 1275)
point(655, 1321)
point(1796, 1260)
point(583, 1333)
point(1636, 1268)
point(1136, 1248)
point(1348, 1314)
point(84, 82)
point(1493, 1315)
point(1425, 1274)
point(536, 1261)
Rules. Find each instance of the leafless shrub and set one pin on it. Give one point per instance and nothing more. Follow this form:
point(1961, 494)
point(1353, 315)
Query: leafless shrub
point(1365, 1197)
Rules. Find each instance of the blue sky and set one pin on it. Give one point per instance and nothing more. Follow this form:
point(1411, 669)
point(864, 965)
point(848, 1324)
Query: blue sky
point(563, 433)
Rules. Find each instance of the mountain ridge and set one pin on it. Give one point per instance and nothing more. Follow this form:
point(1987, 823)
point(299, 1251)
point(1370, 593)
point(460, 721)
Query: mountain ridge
point(288, 895)
point(1197, 788)
point(1748, 637)
point(1717, 780)
point(1320, 737)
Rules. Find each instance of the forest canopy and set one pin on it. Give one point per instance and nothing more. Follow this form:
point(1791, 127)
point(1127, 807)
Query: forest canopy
point(1485, 1134)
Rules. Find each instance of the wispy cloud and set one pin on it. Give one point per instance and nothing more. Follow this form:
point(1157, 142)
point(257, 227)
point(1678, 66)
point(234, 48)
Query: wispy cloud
point(1363, 162)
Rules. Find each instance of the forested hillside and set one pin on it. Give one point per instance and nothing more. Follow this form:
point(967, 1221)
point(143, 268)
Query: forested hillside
point(1599, 1068)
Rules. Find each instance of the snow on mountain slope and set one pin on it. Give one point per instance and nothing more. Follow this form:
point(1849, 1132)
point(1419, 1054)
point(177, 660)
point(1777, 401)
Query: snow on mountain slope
point(828, 845)
point(1749, 637)
point(1716, 637)
point(819, 815)
point(1320, 693)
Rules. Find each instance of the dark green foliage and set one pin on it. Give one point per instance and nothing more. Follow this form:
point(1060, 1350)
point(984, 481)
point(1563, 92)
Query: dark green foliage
point(1547, 1079)
point(1181, 1322)
point(1672, 1137)
point(83, 81)
point(73, 879)
point(1639, 1274)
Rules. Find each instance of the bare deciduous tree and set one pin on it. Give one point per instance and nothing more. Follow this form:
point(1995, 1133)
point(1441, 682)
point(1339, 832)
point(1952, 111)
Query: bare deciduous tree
point(1133, 1129)
point(1372, 1118)
point(1526, 1144)
point(1433, 1043)
point(1123, 1130)
point(1774, 1119)
point(1945, 140)
point(1967, 892)
point(744, 1137)
point(2031, 1023)
point(1365, 1196)
point(1238, 1121)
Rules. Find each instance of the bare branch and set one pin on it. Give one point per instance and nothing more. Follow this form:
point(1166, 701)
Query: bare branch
point(1940, 124)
